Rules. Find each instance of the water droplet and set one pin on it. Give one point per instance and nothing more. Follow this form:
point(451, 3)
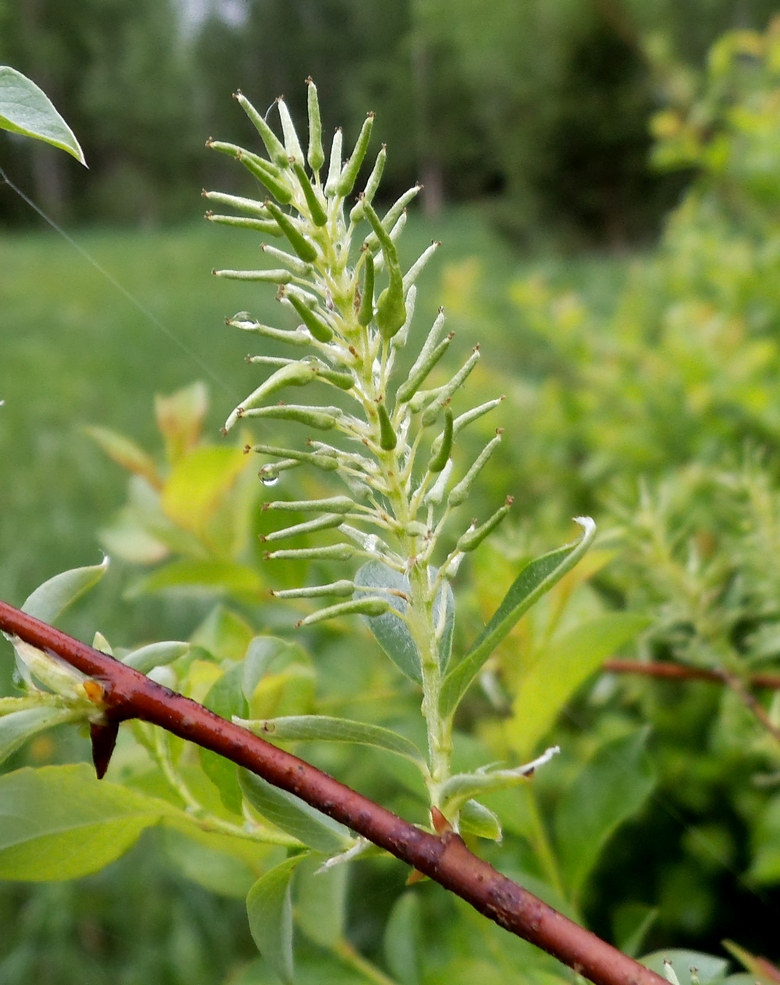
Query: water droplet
point(269, 480)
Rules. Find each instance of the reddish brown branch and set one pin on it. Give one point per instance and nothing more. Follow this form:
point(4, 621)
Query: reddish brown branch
point(446, 859)
point(679, 672)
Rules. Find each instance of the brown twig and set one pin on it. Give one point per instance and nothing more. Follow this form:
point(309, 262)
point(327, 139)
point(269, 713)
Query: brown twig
point(446, 859)
point(680, 672)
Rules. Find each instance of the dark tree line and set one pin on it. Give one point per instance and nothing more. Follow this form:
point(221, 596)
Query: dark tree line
point(541, 108)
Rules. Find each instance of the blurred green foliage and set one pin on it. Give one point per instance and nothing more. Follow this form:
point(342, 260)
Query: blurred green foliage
point(541, 106)
point(647, 398)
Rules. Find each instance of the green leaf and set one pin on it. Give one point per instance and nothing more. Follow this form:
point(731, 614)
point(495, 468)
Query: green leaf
point(534, 580)
point(632, 921)
point(476, 819)
point(609, 789)
point(60, 822)
point(226, 699)
point(126, 453)
point(154, 655)
point(198, 484)
point(269, 909)
point(19, 726)
point(218, 871)
point(390, 631)
point(295, 816)
point(196, 577)
point(710, 968)
point(321, 901)
point(323, 728)
point(402, 940)
point(224, 634)
point(26, 109)
point(562, 667)
point(56, 594)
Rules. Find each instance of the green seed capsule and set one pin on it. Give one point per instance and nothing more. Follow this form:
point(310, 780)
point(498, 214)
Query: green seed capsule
point(321, 331)
point(399, 339)
point(266, 226)
point(291, 144)
point(294, 374)
point(338, 552)
point(304, 247)
point(473, 538)
point(294, 264)
point(349, 175)
point(390, 307)
point(267, 276)
point(372, 184)
point(315, 155)
point(461, 490)
point(382, 235)
point(326, 522)
point(316, 209)
point(388, 439)
point(474, 414)
point(442, 453)
point(319, 418)
point(263, 170)
point(249, 205)
point(432, 412)
point(419, 372)
point(297, 338)
point(366, 310)
point(393, 214)
point(336, 504)
point(276, 149)
point(334, 167)
point(414, 271)
point(341, 589)
point(361, 607)
point(344, 381)
point(326, 463)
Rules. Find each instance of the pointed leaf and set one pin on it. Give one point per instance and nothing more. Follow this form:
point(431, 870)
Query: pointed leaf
point(294, 815)
point(198, 484)
point(534, 580)
point(609, 789)
point(269, 909)
point(390, 631)
point(476, 819)
point(226, 699)
point(562, 667)
point(320, 901)
point(26, 109)
point(19, 726)
point(56, 594)
point(402, 939)
point(324, 728)
point(710, 968)
point(180, 418)
point(126, 453)
point(195, 577)
point(60, 822)
point(146, 658)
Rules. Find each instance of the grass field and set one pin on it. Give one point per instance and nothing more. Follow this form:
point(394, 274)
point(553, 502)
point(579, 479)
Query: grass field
point(76, 350)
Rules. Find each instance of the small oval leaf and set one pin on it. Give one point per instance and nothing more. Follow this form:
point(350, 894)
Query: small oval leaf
point(294, 815)
point(269, 909)
point(56, 594)
point(324, 728)
point(26, 109)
